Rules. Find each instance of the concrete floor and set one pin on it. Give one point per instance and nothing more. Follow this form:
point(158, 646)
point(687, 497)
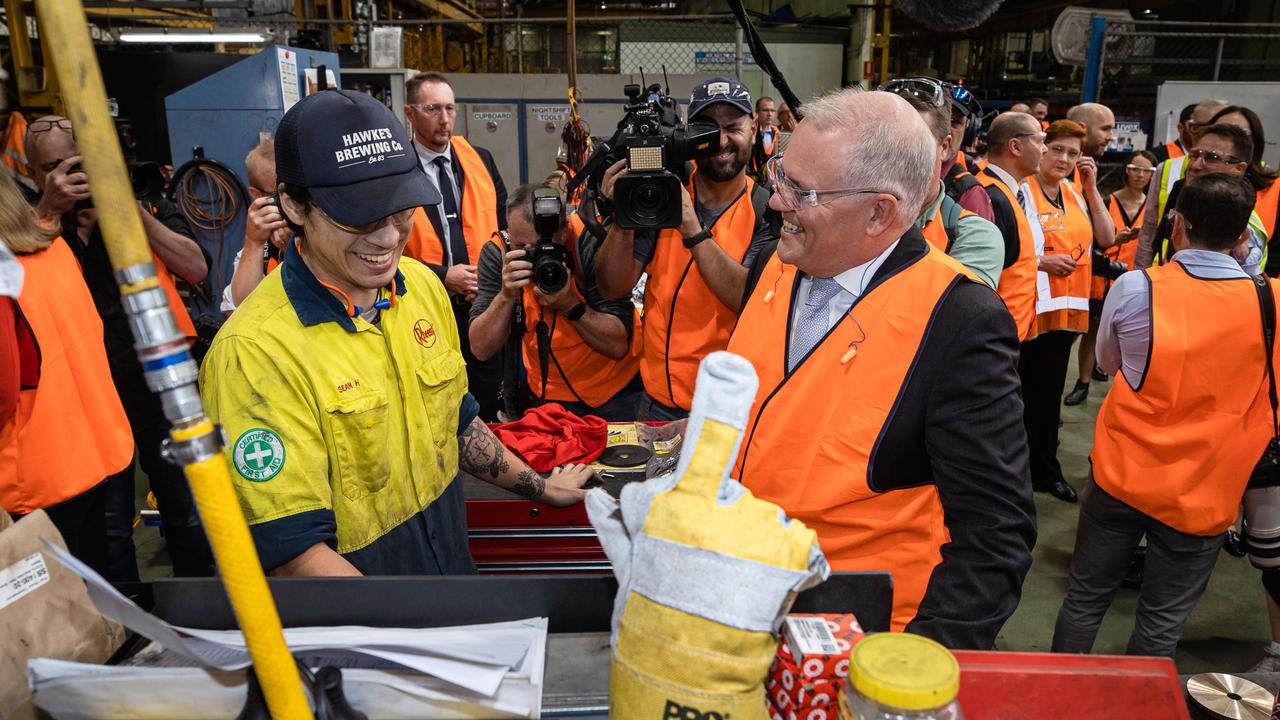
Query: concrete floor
point(1226, 632)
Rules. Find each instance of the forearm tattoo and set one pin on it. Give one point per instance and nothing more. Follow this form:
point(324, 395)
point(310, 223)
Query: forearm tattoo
point(481, 453)
point(529, 484)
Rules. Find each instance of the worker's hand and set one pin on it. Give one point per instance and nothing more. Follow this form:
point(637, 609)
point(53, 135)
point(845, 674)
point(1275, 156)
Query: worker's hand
point(561, 301)
point(566, 485)
point(1058, 264)
point(461, 280)
point(1087, 167)
point(611, 176)
point(689, 222)
point(63, 188)
point(264, 223)
point(1126, 235)
point(517, 272)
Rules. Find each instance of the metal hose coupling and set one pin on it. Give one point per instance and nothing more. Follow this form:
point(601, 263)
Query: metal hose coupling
point(167, 365)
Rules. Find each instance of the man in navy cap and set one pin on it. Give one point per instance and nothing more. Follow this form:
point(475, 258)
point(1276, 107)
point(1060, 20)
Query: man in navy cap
point(698, 271)
point(340, 381)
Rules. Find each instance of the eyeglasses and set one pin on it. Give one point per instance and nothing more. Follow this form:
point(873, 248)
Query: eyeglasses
point(44, 126)
point(1139, 169)
point(1064, 152)
point(1212, 158)
point(399, 220)
point(796, 199)
point(435, 110)
point(1173, 213)
point(921, 88)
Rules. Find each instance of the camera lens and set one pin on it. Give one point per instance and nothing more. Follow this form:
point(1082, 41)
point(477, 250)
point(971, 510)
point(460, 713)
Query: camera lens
point(646, 200)
point(550, 275)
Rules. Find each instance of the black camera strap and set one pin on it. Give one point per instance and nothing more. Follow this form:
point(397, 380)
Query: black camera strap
point(1266, 301)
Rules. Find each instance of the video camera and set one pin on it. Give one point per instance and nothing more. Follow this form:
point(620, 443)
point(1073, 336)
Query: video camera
point(550, 260)
point(657, 147)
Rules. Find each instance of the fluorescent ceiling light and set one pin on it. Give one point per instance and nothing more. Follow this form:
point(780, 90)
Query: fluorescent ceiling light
point(188, 36)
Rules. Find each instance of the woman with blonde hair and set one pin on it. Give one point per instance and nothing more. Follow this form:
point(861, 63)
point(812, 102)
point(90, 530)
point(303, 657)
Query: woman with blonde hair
point(69, 433)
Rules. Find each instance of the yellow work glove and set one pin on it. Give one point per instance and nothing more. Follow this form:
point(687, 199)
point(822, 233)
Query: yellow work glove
point(705, 570)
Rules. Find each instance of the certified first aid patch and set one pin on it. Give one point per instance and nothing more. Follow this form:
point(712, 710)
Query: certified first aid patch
point(258, 455)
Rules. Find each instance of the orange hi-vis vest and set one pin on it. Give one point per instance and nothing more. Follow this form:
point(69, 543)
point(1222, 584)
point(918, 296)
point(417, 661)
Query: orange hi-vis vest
point(684, 321)
point(479, 217)
point(1181, 447)
point(1018, 281)
point(71, 431)
point(179, 309)
point(1126, 253)
point(1062, 303)
point(1174, 149)
point(767, 147)
point(812, 432)
point(1266, 206)
point(576, 372)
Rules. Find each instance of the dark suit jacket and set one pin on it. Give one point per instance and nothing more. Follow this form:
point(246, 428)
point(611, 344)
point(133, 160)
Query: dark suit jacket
point(958, 421)
point(487, 158)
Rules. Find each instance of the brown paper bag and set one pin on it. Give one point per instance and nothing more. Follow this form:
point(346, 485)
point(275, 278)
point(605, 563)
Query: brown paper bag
point(45, 610)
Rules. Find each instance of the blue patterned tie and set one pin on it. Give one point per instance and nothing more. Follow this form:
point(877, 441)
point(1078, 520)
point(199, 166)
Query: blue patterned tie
point(814, 318)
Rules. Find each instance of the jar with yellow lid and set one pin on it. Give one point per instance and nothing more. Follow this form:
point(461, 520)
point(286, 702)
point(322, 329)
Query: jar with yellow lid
point(900, 676)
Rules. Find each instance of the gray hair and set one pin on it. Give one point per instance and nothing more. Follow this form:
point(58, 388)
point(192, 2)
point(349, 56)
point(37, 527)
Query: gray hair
point(885, 143)
point(520, 201)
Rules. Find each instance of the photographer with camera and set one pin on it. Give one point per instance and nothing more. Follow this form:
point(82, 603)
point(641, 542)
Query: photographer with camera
point(55, 161)
point(540, 296)
point(265, 231)
point(697, 266)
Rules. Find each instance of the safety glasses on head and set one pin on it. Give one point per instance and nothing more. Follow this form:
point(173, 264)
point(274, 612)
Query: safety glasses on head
point(926, 89)
point(795, 199)
point(964, 101)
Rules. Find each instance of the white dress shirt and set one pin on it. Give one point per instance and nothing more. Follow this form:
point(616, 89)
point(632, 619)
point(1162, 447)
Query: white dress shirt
point(427, 157)
point(853, 282)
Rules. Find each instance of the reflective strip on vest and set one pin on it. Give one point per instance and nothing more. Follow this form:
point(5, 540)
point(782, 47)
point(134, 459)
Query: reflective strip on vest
point(1181, 447)
point(478, 208)
point(1171, 171)
point(804, 431)
point(71, 430)
point(1062, 303)
point(684, 321)
point(1018, 281)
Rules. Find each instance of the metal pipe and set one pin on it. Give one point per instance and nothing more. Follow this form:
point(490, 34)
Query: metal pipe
point(737, 53)
point(1217, 60)
point(520, 38)
point(258, 21)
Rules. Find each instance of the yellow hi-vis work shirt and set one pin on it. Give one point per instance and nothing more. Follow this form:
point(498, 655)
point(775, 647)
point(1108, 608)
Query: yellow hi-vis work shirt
point(343, 432)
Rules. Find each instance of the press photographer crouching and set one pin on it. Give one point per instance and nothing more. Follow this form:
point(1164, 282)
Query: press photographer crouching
point(537, 299)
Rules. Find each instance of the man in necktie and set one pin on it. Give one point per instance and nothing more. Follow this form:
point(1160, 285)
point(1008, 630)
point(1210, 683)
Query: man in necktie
point(888, 417)
point(448, 237)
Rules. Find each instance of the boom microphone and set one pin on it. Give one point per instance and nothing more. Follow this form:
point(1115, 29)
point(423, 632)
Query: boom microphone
point(949, 14)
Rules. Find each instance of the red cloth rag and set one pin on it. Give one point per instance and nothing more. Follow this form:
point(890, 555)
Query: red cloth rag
point(549, 436)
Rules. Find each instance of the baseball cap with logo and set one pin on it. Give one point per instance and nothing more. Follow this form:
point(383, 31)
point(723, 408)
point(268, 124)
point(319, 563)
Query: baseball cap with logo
point(352, 156)
point(719, 90)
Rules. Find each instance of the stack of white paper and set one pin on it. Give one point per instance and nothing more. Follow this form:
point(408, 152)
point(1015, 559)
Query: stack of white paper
point(491, 670)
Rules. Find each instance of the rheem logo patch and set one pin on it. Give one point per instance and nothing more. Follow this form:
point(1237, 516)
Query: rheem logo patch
point(425, 333)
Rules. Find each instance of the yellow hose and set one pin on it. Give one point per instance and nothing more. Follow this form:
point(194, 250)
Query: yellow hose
point(85, 98)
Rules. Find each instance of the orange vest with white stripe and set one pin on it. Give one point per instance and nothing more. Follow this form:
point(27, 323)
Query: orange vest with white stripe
point(1126, 253)
point(478, 208)
point(811, 433)
point(684, 321)
point(1062, 303)
point(1181, 447)
point(71, 431)
point(1018, 281)
point(575, 370)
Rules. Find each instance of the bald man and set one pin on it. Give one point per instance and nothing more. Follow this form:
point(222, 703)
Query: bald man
point(1099, 123)
point(1020, 107)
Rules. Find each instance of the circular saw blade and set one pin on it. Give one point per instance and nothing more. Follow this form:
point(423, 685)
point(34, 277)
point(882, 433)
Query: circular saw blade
point(1227, 696)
